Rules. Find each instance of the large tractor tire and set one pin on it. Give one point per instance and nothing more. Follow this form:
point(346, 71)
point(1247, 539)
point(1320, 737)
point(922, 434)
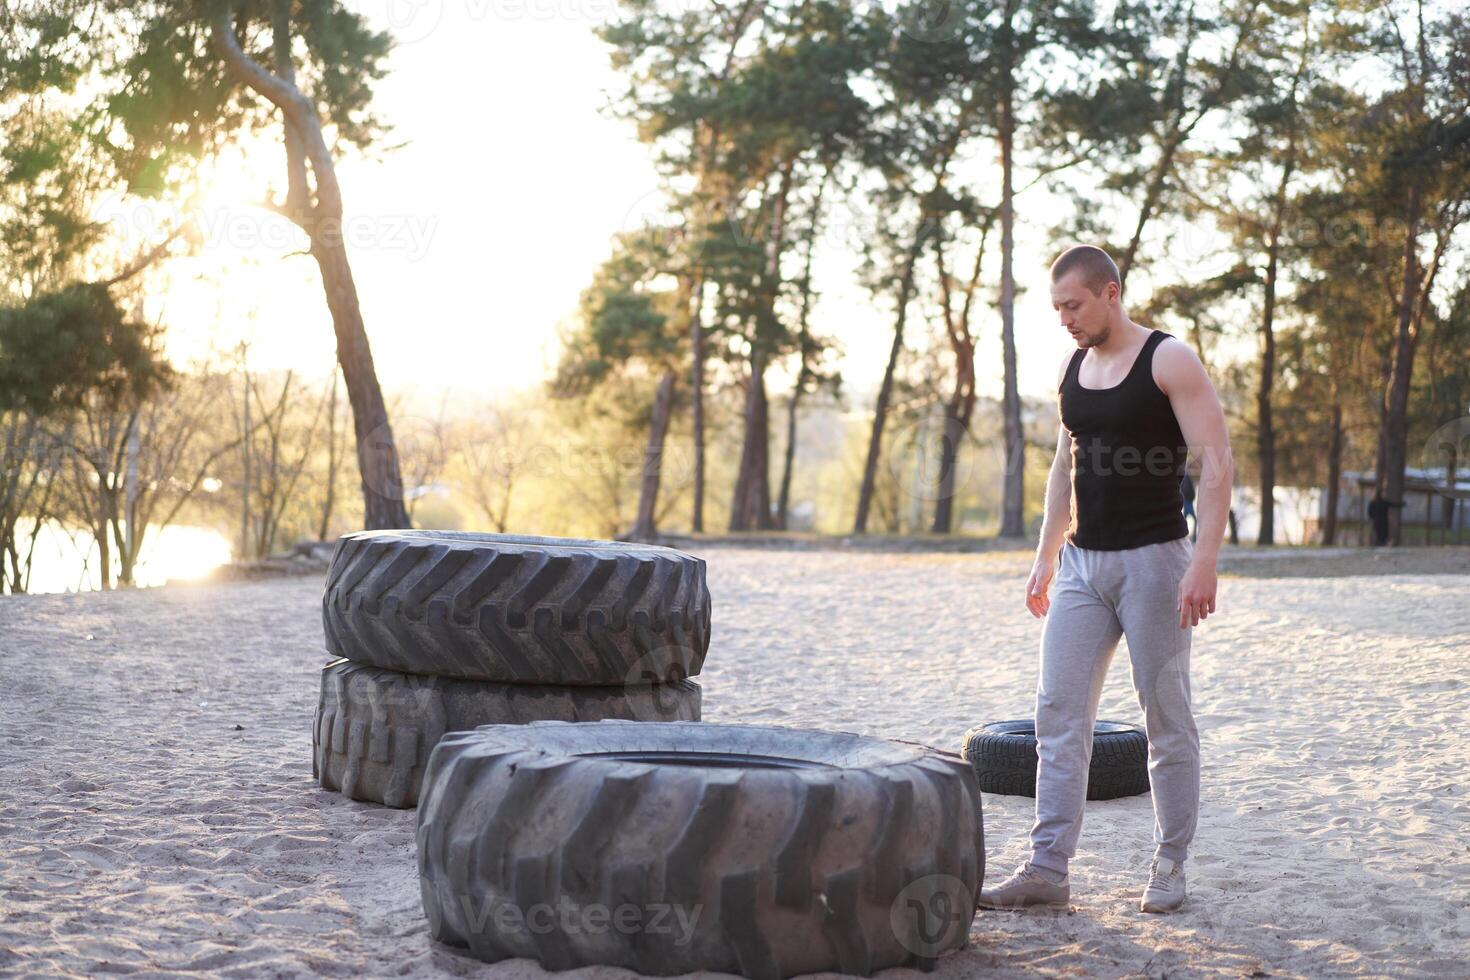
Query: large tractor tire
point(1004, 756)
point(517, 610)
point(671, 847)
point(375, 728)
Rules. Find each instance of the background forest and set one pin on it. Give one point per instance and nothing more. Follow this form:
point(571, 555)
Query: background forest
point(1285, 185)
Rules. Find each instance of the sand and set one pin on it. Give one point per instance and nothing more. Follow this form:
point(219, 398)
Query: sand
point(158, 815)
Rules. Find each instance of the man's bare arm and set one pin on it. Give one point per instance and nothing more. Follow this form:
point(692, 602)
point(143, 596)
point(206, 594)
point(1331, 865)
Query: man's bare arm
point(1055, 520)
point(1182, 377)
point(1058, 514)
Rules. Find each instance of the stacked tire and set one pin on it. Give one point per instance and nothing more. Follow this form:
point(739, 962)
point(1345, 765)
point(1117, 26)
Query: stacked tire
point(441, 632)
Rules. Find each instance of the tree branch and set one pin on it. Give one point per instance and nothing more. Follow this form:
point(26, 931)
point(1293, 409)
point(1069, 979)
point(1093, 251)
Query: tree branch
point(296, 109)
point(147, 258)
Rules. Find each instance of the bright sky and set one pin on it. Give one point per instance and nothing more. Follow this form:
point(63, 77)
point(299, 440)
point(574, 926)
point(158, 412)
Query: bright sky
point(471, 243)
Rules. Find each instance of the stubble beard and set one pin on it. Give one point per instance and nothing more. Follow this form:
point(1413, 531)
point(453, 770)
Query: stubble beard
point(1092, 340)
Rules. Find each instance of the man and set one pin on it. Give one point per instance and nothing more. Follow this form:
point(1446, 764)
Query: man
point(1133, 403)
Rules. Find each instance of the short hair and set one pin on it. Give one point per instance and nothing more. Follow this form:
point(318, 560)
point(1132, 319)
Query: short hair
point(1095, 265)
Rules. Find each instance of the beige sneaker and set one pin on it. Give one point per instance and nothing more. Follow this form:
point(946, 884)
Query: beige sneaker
point(1025, 887)
point(1165, 891)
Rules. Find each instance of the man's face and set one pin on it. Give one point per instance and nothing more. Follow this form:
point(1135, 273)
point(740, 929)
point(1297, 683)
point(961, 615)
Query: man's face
point(1085, 316)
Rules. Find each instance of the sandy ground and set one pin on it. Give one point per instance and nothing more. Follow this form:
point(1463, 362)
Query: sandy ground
point(157, 811)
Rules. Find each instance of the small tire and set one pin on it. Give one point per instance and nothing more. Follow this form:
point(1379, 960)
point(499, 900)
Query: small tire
point(375, 728)
point(1004, 756)
point(516, 609)
point(764, 851)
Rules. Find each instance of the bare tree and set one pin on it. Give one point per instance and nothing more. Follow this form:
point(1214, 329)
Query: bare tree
point(280, 445)
point(29, 460)
point(133, 467)
point(334, 461)
point(425, 456)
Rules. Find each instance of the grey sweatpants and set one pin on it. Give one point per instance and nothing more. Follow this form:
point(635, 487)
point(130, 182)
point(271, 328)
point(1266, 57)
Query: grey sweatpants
point(1096, 597)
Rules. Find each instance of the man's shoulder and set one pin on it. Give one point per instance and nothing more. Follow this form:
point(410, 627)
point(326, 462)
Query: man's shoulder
point(1170, 346)
point(1175, 362)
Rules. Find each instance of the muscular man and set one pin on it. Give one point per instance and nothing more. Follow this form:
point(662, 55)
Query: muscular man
point(1134, 403)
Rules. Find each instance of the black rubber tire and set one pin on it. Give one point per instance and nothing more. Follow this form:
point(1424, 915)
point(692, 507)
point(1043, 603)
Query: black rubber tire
point(375, 728)
point(518, 610)
point(789, 851)
point(1004, 756)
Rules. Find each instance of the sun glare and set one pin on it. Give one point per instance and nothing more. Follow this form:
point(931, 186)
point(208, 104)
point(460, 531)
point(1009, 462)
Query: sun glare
point(180, 554)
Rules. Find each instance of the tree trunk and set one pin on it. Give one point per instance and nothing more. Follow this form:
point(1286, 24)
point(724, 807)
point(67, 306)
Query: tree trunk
point(783, 500)
point(246, 488)
point(954, 429)
point(696, 344)
point(377, 456)
point(958, 413)
point(1179, 127)
point(1265, 433)
point(1380, 464)
point(644, 528)
point(1152, 193)
point(885, 389)
point(1013, 497)
point(1394, 452)
point(751, 507)
point(100, 531)
point(333, 457)
point(132, 536)
point(1160, 173)
point(961, 405)
point(706, 161)
point(1334, 477)
point(1451, 480)
point(752, 504)
point(803, 352)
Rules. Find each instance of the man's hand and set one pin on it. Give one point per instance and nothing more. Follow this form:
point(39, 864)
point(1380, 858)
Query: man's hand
point(1036, 586)
point(1196, 593)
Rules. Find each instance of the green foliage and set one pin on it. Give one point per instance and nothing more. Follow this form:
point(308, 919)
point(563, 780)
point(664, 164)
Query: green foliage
point(625, 321)
point(161, 99)
point(47, 184)
point(344, 57)
point(60, 347)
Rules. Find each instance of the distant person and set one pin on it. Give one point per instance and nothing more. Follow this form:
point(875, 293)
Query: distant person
point(1186, 487)
point(1378, 514)
point(1132, 402)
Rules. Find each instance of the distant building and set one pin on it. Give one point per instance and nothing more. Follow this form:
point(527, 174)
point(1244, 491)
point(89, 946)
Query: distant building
point(1432, 512)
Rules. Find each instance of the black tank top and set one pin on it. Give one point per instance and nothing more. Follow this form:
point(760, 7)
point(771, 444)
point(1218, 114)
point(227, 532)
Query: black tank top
point(1128, 457)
